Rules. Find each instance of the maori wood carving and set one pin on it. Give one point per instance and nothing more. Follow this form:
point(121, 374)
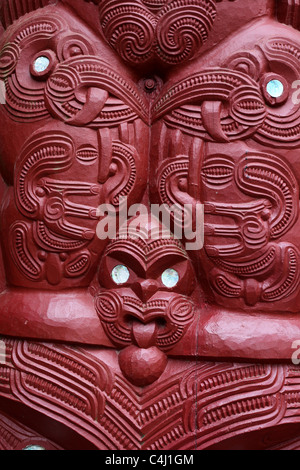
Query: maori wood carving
point(144, 339)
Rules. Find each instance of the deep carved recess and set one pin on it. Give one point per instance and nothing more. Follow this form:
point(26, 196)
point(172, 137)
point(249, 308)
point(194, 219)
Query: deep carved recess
point(148, 340)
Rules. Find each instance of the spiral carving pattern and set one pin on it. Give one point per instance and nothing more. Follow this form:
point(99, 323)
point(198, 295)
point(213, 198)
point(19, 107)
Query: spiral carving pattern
point(129, 29)
point(182, 29)
point(172, 30)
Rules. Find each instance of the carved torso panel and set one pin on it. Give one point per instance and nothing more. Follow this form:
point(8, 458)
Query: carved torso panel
point(113, 321)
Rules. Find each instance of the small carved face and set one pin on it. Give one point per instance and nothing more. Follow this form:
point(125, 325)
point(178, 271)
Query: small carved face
point(145, 296)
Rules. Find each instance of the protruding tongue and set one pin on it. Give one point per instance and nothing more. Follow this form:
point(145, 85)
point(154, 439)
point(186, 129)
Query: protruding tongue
point(144, 336)
point(211, 117)
point(95, 101)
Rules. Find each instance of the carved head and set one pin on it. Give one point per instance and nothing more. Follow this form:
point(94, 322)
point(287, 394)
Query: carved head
point(146, 285)
point(145, 300)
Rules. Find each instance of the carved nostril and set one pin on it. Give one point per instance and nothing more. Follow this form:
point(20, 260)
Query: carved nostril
point(145, 289)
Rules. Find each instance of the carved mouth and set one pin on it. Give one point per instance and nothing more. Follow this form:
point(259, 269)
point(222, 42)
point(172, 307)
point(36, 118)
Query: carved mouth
point(249, 268)
point(158, 322)
point(215, 104)
point(145, 312)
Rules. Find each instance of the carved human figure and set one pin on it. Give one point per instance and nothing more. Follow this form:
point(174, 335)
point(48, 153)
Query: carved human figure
point(77, 126)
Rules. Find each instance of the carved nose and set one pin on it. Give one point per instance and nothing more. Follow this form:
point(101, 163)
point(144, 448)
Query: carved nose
point(145, 289)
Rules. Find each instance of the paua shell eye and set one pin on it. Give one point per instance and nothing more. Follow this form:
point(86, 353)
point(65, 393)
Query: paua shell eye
point(275, 88)
point(43, 64)
point(120, 274)
point(34, 447)
point(170, 278)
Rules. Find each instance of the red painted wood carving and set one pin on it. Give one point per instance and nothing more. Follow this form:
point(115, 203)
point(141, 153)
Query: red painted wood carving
point(149, 221)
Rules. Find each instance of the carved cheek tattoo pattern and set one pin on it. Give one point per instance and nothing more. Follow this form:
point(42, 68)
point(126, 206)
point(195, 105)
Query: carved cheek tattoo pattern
point(139, 340)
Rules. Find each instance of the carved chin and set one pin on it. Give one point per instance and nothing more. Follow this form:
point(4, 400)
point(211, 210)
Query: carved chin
point(141, 366)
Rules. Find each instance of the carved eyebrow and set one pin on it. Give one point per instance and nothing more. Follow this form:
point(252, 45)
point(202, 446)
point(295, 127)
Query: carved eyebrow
point(136, 262)
point(159, 252)
point(165, 261)
point(142, 266)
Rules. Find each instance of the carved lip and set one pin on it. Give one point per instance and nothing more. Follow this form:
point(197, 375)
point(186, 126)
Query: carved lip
point(145, 312)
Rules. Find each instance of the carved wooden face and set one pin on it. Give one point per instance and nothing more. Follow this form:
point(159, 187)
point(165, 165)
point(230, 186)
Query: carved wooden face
point(145, 295)
point(173, 102)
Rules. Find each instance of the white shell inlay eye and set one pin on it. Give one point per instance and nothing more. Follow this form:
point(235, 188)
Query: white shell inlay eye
point(170, 278)
point(275, 88)
point(34, 447)
point(120, 274)
point(41, 64)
